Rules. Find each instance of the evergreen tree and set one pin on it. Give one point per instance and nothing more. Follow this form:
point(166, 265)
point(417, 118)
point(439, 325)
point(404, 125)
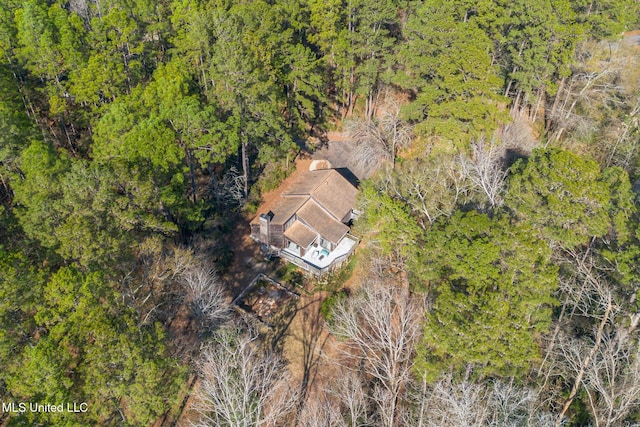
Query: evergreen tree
point(447, 65)
point(562, 195)
point(492, 283)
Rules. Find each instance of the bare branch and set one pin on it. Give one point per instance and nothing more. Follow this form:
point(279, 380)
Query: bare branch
point(242, 388)
point(463, 403)
point(486, 169)
point(614, 375)
point(379, 140)
point(205, 295)
point(380, 326)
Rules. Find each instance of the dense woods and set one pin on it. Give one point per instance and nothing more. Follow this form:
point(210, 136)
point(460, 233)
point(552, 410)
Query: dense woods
point(500, 230)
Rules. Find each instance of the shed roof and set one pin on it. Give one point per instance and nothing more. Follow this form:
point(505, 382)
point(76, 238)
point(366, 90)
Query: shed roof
point(300, 234)
point(318, 219)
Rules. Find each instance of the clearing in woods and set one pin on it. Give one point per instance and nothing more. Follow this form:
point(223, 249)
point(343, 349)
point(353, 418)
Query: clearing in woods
point(302, 336)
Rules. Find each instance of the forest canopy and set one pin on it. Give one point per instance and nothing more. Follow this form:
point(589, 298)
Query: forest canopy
point(505, 139)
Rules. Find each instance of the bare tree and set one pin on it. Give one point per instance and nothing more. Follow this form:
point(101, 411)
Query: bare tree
point(450, 402)
point(612, 381)
point(594, 343)
point(205, 295)
point(624, 132)
point(380, 326)
point(321, 411)
point(462, 404)
point(512, 404)
point(81, 7)
point(432, 187)
point(379, 140)
point(599, 102)
point(517, 136)
point(352, 398)
point(199, 284)
point(342, 404)
point(592, 299)
point(241, 387)
point(485, 169)
point(590, 85)
point(230, 189)
point(172, 278)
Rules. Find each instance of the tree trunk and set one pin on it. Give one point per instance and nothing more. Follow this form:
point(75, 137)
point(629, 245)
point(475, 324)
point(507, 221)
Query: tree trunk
point(192, 174)
point(556, 100)
point(539, 97)
point(585, 363)
point(245, 168)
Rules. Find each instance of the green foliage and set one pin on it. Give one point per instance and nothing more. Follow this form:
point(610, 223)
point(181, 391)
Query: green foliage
point(336, 298)
point(432, 187)
point(272, 176)
point(85, 213)
point(20, 293)
point(561, 194)
point(492, 285)
point(40, 190)
point(447, 64)
point(356, 40)
point(337, 279)
point(291, 275)
point(622, 208)
point(607, 18)
point(160, 134)
point(537, 53)
point(89, 349)
point(16, 128)
point(50, 45)
point(115, 116)
point(620, 249)
point(387, 221)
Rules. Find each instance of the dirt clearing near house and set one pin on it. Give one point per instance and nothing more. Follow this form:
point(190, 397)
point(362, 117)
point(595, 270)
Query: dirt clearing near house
point(248, 259)
point(300, 333)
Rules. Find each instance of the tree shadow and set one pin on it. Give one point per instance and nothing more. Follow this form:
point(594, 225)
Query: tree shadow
point(307, 331)
point(312, 344)
point(349, 176)
point(280, 324)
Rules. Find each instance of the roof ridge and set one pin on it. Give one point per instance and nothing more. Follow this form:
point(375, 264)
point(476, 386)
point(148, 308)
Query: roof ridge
point(321, 206)
point(326, 177)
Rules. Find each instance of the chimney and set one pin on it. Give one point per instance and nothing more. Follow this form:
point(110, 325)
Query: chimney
point(265, 231)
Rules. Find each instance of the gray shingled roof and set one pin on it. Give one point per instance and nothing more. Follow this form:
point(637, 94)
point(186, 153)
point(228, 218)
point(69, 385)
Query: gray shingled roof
point(336, 195)
point(300, 234)
point(318, 219)
point(320, 199)
point(286, 208)
point(307, 182)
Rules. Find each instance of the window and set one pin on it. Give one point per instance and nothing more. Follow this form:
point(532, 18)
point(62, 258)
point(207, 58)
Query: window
point(289, 222)
point(293, 247)
point(325, 243)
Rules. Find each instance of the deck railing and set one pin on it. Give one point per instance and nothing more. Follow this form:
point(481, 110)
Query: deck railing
point(312, 268)
point(301, 263)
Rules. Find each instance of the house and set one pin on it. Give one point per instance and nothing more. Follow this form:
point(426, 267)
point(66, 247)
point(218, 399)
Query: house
point(309, 224)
